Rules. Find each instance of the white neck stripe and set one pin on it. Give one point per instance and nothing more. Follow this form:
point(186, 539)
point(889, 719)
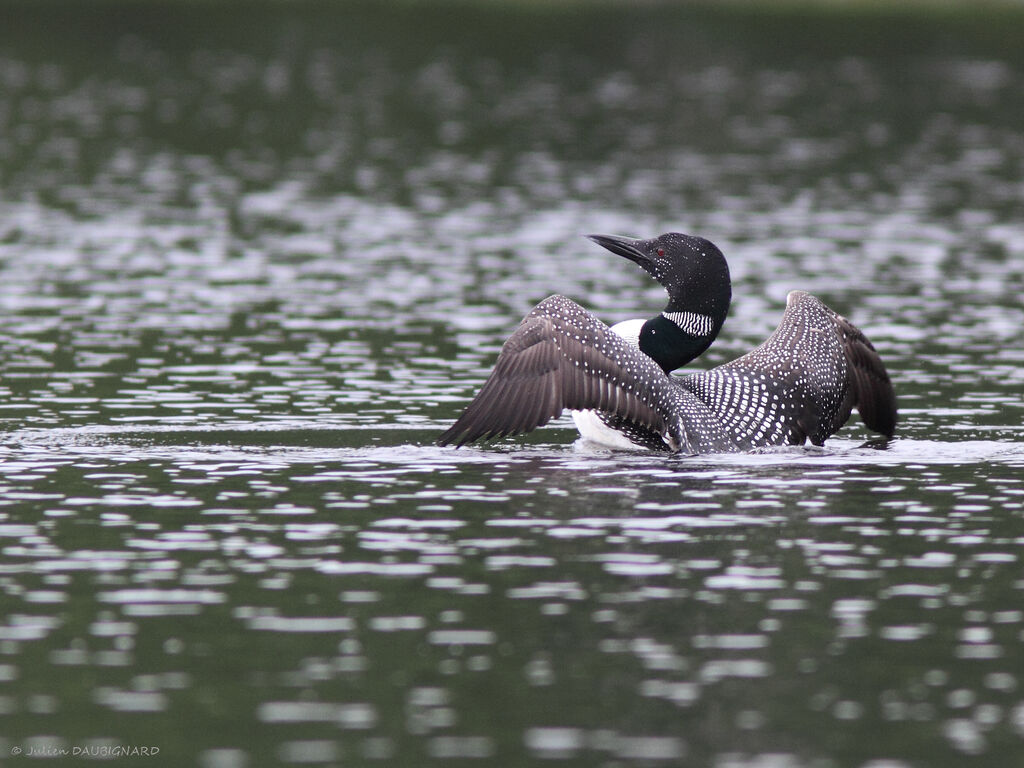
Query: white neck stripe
point(691, 322)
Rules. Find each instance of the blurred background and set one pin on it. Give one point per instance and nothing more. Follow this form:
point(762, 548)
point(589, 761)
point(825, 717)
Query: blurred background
point(255, 256)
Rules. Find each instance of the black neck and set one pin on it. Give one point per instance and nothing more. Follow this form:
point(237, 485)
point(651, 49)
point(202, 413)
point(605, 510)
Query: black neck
point(668, 345)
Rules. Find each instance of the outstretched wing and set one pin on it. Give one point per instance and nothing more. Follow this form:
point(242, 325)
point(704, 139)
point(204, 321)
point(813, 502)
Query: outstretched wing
point(870, 386)
point(802, 382)
point(561, 356)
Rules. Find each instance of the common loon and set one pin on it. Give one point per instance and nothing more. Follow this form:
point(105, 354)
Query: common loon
point(801, 383)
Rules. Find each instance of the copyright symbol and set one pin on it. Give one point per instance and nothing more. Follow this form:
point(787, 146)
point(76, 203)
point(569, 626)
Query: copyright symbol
point(16, 751)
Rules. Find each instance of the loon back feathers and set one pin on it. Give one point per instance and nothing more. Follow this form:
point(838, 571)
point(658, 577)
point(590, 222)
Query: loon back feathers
point(801, 383)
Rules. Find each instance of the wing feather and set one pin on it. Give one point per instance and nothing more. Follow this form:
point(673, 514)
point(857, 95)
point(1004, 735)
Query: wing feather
point(559, 357)
point(820, 366)
point(874, 395)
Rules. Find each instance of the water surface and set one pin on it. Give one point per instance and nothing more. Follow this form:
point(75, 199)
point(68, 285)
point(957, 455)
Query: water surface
point(251, 267)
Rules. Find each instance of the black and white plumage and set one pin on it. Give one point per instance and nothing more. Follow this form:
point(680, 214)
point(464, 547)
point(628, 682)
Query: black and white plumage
point(801, 383)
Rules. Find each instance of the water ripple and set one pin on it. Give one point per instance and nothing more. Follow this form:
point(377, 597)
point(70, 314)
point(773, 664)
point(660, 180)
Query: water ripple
point(246, 280)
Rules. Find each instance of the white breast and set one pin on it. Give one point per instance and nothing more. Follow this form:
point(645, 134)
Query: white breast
point(588, 423)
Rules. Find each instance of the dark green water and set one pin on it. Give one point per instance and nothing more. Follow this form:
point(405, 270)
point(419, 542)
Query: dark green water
point(253, 259)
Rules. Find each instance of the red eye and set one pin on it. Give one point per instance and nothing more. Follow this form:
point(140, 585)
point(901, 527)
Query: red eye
point(661, 251)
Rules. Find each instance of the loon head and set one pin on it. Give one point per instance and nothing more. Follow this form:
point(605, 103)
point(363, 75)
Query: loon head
point(694, 273)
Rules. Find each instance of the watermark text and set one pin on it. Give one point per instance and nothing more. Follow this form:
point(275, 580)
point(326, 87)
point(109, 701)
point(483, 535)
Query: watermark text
point(86, 750)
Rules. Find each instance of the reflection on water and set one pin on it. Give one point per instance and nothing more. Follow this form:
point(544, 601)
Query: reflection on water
point(359, 601)
point(248, 278)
